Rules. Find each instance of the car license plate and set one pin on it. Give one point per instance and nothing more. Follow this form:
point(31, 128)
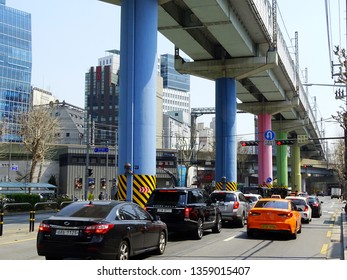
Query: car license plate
point(268, 226)
point(164, 210)
point(67, 232)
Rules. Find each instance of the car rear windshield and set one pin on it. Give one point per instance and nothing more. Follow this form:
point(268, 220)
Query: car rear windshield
point(299, 201)
point(225, 197)
point(252, 198)
point(272, 204)
point(170, 198)
point(85, 210)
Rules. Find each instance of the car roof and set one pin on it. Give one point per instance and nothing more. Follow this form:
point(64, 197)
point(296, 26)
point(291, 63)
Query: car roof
point(272, 198)
point(102, 202)
point(296, 197)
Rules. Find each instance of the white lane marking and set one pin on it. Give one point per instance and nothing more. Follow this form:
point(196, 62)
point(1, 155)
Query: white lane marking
point(230, 238)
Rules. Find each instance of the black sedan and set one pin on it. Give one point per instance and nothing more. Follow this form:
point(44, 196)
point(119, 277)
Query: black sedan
point(316, 206)
point(102, 229)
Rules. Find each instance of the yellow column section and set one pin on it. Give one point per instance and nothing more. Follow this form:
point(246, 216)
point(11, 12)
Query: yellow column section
point(296, 168)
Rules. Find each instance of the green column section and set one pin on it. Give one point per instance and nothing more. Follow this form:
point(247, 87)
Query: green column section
point(282, 162)
point(296, 169)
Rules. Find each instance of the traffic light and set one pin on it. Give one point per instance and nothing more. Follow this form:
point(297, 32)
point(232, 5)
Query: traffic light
point(249, 143)
point(90, 172)
point(285, 142)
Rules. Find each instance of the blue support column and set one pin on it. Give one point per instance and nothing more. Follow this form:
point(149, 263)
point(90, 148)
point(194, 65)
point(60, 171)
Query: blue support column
point(226, 146)
point(137, 100)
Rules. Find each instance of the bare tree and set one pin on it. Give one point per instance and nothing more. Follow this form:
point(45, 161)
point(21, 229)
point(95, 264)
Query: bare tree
point(337, 160)
point(342, 115)
point(39, 130)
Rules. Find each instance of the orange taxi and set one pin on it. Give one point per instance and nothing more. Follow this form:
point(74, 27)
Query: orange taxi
point(274, 215)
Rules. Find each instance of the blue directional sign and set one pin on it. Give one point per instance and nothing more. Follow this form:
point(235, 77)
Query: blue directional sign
point(269, 135)
point(14, 167)
point(101, 150)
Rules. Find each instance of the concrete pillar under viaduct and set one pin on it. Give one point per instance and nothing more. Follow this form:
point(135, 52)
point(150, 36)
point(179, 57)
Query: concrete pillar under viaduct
point(137, 103)
point(226, 162)
point(282, 161)
point(296, 169)
point(265, 174)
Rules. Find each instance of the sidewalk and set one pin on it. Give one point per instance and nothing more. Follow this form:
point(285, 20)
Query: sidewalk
point(344, 235)
point(17, 233)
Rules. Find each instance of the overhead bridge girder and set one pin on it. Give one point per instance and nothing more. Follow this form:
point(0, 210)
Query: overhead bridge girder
point(237, 68)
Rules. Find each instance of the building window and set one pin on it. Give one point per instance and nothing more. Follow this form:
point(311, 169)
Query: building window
point(68, 134)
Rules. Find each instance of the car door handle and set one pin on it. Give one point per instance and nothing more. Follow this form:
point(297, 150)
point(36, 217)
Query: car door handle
point(129, 228)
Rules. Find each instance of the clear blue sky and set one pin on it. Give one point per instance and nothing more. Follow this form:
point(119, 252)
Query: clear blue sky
point(70, 35)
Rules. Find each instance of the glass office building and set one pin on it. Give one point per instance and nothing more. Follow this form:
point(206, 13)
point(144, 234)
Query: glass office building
point(176, 87)
point(15, 70)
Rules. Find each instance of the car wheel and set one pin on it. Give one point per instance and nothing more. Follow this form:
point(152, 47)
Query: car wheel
point(161, 243)
point(250, 233)
point(295, 234)
point(199, 231)
point(299, 231)
point(53, 258)
point(242, 221)
point(123, 251)
point(218, 226)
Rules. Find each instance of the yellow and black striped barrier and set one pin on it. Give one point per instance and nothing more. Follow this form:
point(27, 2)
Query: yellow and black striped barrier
point(229, 186)
point(143, 186)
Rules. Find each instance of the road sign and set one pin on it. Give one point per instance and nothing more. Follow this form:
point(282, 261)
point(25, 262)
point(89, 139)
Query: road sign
point(101, 150)
point(269, 135)
point(14, 167)
point(269, 180)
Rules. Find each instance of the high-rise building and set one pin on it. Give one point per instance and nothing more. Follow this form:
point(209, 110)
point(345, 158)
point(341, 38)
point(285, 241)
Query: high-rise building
point(101, 99)
point(15, 70)
point(176, 87)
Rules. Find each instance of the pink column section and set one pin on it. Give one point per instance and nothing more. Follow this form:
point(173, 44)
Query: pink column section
point(264, 151)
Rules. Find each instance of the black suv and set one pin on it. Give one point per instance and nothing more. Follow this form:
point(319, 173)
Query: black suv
point(185, 210)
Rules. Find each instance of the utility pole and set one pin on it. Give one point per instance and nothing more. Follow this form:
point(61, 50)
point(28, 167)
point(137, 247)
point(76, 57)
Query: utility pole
point(86, 183)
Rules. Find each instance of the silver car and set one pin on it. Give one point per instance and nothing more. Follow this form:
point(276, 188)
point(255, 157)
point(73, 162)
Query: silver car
point(303, 206)
point(233, 205)
point(252, 198)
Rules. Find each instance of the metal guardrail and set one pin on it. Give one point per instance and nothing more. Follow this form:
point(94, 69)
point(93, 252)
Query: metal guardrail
point(32, 211)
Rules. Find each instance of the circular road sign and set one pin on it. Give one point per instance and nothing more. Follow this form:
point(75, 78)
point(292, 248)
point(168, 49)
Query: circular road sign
point(269, 135)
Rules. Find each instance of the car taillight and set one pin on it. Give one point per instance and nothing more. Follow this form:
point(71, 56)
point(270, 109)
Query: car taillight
point(286, 215)
point(315, 204)
point(253, 213)
point(98, 229)
point(44, 227)
point(236, 205)
point(187, 212)
point(306, 208)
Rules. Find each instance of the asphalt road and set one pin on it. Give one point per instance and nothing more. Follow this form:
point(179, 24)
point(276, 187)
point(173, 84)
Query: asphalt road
point(319, 240)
